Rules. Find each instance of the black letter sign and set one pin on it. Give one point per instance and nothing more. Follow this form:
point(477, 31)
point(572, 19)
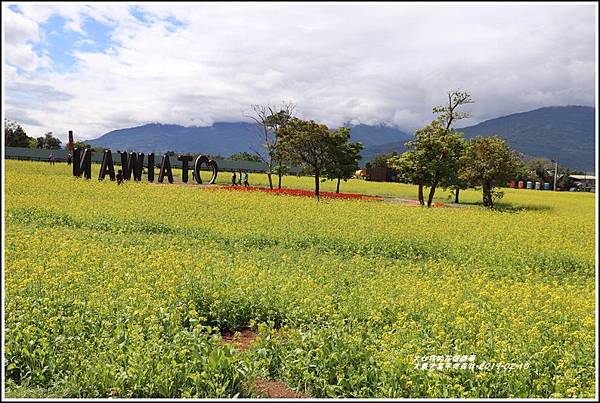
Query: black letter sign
point(184, 166)
point(165, 168)
point(202, 159)
point(82, 164)
point(107, 166)
point(151, 167)
point(132, 164)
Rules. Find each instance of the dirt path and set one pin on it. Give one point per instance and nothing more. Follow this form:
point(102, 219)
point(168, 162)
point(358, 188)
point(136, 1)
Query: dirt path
point(414, 202)
point(269, 388)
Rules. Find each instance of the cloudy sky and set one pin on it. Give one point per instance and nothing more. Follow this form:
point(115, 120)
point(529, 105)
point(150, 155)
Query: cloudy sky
point(95, 67)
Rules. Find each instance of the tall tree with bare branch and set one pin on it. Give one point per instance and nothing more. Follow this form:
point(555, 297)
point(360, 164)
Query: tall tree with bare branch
point(447, 114)
point(269, 121)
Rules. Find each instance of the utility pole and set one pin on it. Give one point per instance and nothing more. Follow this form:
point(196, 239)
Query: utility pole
point(555, 173)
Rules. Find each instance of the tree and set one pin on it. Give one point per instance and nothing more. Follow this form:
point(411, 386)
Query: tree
point(83, 144)
point(380, 160)
point(311, 144)
point(346, 156)
point(447, 114)
point(269, 121)
point(433, 151)
point(410, 169)
point(451, 178)
point(48, 142)
point(80, 144)
point(540, 168)
point(244, 156)
point(489, 162)
point(14, 135)
point(456, 184)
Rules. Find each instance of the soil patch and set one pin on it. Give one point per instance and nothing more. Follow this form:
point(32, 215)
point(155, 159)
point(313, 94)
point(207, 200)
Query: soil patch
point(241, 339)
point(275, 389)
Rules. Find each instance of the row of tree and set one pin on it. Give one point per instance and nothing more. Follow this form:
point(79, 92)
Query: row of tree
point(15, 136)
point(439, 156)
point(288, 140)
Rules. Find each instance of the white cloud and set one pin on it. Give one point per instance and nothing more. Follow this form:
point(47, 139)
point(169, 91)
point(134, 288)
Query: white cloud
point(337, 62)
point(19, 35)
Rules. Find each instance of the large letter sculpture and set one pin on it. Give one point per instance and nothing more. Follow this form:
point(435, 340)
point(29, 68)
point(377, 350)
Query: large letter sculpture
point(132, 164)
point(185, 159)
point(151, 167)
point(165, 169)
point(107, 166)
point(82, 164)
point(76, 161)
point(212, 165)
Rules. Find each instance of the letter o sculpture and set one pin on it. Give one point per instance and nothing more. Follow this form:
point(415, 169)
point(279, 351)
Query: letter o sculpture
point(212, 165)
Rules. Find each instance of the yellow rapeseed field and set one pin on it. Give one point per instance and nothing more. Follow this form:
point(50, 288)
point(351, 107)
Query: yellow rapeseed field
point(124, 291)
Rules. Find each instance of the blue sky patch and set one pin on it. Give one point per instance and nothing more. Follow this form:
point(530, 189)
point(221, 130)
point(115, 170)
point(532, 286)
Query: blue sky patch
point(139, 14)
point(174, 24)
point(60, 44)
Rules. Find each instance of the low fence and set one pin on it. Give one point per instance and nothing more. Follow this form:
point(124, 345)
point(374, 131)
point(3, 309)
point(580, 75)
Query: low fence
point(37, 154)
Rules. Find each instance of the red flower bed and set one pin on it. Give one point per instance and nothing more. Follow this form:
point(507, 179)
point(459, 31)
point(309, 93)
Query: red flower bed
point(302, 192)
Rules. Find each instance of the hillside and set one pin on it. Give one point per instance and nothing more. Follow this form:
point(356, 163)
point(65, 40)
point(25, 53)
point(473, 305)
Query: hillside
point(564, 131)
point(220, 138)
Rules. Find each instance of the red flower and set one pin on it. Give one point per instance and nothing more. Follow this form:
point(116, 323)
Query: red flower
point(302, 192)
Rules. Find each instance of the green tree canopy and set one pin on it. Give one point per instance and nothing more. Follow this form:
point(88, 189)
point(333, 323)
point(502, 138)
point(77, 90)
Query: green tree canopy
point(433, 153)
point(489, 162)
point(244, 156)
point(15, 136)
point(48, 142)
point(540, 168)
point(310, 144)
point(380, 160)
point(345, 157)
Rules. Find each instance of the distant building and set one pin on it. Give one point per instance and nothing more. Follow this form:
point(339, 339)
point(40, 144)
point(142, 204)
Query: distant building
point(381, 174)
point(586, 183)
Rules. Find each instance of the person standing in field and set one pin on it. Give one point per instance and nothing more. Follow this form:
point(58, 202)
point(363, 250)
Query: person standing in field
point(69, 159)
point(240, 178)
point(119, 177)
point(233, 179)
point(246, 184)
point(51, 158)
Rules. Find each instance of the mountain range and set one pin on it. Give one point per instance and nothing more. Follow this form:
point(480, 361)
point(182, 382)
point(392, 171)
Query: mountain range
point(566, 132)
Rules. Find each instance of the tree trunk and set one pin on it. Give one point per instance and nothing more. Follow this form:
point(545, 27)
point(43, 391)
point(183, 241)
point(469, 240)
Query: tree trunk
point(421, 199)
point(431, 193)
point(456, 195)
point(487, 195)
point(337, 189)
point(270, 180)
point(280, 174)
point(317, 184)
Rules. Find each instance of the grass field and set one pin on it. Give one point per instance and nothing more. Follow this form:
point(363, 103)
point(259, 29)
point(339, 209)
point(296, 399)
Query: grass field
point(124, 291)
